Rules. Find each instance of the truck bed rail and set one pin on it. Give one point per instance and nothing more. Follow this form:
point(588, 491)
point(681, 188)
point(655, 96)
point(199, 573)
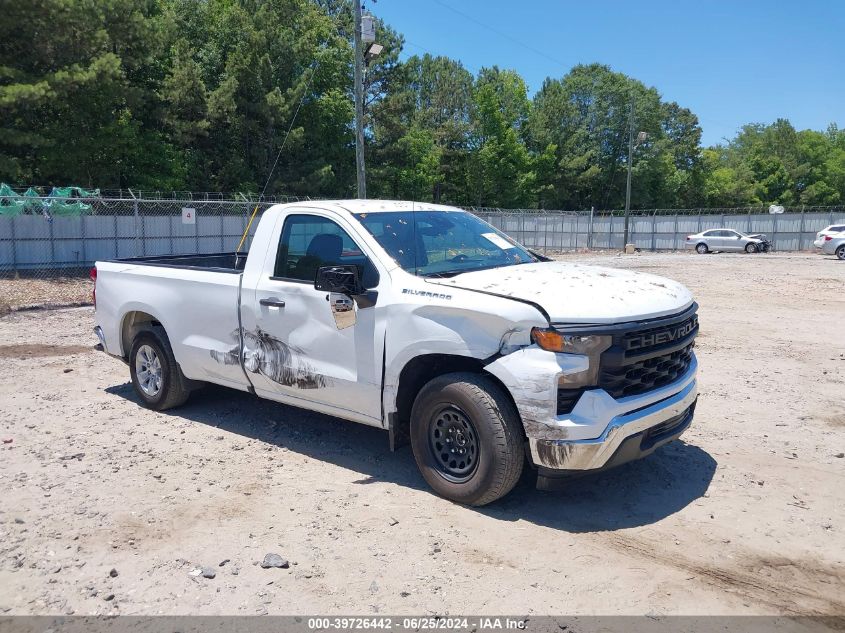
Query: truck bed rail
point(216, 262)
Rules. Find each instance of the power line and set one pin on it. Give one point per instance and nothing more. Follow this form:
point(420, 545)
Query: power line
point(501, 33)
point(422, 48)
point(471, 67)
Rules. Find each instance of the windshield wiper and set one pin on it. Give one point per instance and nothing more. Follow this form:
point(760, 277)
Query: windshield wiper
point(452, 273)
point(447, 273)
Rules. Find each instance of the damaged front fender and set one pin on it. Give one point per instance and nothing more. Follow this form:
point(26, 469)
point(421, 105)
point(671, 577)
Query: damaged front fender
point(532, 376)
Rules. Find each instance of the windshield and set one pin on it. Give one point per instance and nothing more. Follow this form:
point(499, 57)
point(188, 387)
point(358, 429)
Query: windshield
point(442, 243)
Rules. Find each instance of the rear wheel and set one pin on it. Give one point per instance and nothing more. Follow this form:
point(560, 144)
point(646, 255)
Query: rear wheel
point(750, 248)
point(840, 252)
point(156, 376)
point(701, 248)
point(467, 438)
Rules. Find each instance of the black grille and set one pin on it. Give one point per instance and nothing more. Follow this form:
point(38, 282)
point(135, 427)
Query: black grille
point(641, 357)
point(643, 376)
point(566, 399)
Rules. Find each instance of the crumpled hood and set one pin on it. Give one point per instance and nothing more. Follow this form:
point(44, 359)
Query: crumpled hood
point(578, 293)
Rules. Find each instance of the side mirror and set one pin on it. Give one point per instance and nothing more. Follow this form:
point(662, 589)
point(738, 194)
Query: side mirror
point(341, 279)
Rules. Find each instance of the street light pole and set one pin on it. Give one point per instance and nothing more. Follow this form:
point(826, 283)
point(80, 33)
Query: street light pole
point(630, 161)
point(359, 104)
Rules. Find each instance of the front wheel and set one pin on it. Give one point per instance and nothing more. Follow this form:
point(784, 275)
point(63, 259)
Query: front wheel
point(750, 248)
point(467, 438)
point(701, 248)
point(840, 252)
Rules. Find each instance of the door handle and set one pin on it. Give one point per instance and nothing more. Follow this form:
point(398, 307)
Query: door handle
point(272, 303)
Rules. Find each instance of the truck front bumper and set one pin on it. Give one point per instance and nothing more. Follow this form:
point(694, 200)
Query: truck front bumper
point(600, 431)
point(627, 437)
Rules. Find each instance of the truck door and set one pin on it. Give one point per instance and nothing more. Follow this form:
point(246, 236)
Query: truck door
point(308, 347)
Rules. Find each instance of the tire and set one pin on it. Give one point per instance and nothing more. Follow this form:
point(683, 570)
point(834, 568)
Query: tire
point(468, 411)
point(151, 354)
point(840, 252)
point(701, 248)
point(750, 248)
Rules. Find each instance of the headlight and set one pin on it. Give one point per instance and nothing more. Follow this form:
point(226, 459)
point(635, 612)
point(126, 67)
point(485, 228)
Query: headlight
point(554, 341)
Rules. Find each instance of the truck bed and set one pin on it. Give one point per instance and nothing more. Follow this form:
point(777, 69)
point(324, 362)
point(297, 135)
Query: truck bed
point(194, 298)
point(216, 262)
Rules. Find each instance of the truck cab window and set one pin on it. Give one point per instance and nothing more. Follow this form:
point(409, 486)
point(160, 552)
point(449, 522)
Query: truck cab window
point(442, 243)
point(309, 242)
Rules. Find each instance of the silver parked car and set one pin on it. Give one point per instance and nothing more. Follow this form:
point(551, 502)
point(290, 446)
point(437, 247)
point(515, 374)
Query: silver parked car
point(834, 245)
point(727, 240)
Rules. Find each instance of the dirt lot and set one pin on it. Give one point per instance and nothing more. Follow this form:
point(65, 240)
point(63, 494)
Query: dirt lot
point(745, 516)
point(63, 291)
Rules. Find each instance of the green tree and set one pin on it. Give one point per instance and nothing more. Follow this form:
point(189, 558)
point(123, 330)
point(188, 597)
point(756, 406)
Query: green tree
point(201, 94)
point(723, 185)
point(775, 164)
point(429, 107)
point(76, 99)
point(185, 104)
point(501, 169)
point(585, 117)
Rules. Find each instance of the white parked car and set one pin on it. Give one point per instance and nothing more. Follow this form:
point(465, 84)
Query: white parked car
point(727, 240)
point(831, 230)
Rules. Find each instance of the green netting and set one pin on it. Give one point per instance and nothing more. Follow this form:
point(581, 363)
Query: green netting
point(32, 202)
point(65, 208)
point(61, 201)
point(71, 192)
point(11, 203)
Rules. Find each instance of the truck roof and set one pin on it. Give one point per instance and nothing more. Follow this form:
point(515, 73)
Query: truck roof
point(370, 206)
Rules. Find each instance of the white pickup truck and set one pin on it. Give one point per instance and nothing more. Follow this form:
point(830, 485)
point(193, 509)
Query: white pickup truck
point(425, 321)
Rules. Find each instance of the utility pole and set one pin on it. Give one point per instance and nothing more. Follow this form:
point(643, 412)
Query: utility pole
point(630, 161)
point(359, 104)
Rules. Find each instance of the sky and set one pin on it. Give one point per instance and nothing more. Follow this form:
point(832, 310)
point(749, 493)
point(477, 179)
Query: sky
point(730, 62)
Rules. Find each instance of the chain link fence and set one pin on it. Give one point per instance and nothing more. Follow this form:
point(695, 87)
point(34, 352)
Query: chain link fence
point(37, 241)
point(657, 229)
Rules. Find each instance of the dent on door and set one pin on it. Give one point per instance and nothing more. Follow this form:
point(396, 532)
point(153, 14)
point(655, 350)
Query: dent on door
point(271, 357)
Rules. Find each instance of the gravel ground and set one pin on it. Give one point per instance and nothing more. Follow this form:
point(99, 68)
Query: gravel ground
point(110, 508)
point(25, 293)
